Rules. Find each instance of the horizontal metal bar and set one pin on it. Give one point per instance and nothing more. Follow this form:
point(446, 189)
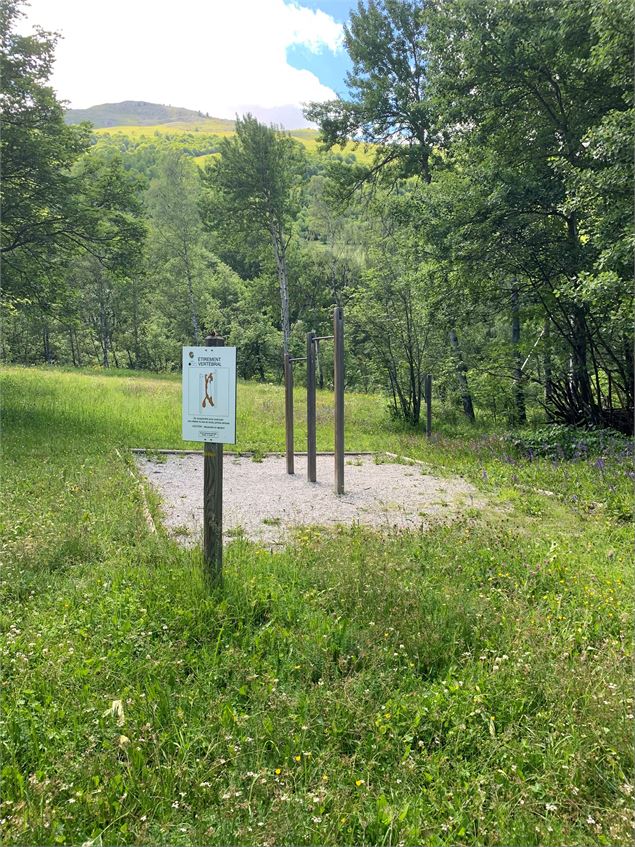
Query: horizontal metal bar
point(323, 337)
point(297, 359)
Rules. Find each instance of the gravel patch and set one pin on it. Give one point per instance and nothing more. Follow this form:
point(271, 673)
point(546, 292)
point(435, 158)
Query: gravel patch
point(264, 504)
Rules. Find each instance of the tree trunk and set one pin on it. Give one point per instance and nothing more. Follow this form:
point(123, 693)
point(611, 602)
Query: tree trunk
point(588, 410)
point(77, 348)
point(320, 369)
point(70, 338)
point(47, 344)
point(190, 296)
point(580, 379)
point(630, 371)
point(547, 365)
point(277, 240)
point(135, 324)
point(461, 374)
point(103, 333)
point(520, 414)
point(260, 366)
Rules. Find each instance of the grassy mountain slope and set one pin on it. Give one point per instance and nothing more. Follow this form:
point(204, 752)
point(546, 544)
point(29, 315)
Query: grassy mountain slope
point(142, 113)
point(139, 120)
point(209, 131)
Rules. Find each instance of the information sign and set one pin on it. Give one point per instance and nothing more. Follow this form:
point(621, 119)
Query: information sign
point(209, 394)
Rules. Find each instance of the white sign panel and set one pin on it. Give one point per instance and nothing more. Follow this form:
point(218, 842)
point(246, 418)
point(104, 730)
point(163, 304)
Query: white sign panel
point(209, 394)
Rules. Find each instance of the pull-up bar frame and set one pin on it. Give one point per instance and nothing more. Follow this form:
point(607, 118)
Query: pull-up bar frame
point(312, 341)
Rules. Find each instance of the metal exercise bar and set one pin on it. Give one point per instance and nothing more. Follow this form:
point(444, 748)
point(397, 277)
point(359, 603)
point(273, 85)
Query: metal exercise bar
point(338, 385)
point(288, 411)
point(312, 348)
point(311, 445)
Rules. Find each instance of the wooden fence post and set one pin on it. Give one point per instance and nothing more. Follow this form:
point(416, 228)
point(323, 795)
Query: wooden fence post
point(288, 411)
point(310, 407)
point(213, 498)
point(338, 386)
point(428, 391)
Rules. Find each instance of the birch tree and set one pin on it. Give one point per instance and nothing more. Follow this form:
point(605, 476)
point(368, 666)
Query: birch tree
point(254, 183)
point(177, 232)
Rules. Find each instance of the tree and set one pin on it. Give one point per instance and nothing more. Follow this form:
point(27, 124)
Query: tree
point(391, 312)
point(177, 250)
point(37, 149)
point(99, 279)
point(523, 90)
point(254, 183)
point(389, 106)
point(60, 201)
point(44, 216)
point(391, 109)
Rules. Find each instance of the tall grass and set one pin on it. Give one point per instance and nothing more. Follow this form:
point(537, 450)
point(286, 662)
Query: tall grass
point(470, 685)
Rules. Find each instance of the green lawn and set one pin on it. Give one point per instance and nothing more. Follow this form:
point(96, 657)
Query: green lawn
point(467, 686)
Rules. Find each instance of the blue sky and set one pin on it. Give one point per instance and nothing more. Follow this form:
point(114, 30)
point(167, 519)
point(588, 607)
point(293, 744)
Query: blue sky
point(330, 68)
point(224, 57)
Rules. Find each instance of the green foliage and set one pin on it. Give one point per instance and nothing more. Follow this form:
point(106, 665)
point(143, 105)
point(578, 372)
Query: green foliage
point(391, 317)
point(527, 94)
point(53, 204)
point(385, 40)
point(255, 184)
point(563, 442)
point(530, 119)
point(490, 226)
point(178, 254)
point(256, 176)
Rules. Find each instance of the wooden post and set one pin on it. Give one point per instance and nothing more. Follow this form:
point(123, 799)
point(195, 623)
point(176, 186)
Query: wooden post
point(428, 392)
point(288, 411)
point(338, 385)
point(213, 498)
point(310, 407)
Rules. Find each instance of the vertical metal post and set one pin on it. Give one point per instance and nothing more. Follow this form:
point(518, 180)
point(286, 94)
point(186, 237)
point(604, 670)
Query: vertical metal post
point(213, 498)
point(288, 411)
point(428, 392)
point(338, 385)
point(310, 407)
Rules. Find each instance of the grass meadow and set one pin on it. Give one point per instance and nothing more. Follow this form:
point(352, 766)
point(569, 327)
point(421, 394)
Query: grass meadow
point(471, 685)
point(216, 128)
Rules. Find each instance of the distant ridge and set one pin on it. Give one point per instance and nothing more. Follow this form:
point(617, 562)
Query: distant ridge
point(137, 119)
point(140, 113)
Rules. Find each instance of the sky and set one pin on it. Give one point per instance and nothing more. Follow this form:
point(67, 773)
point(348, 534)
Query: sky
point(223, 57)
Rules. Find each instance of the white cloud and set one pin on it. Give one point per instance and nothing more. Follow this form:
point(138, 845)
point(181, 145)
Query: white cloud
point(213, 55)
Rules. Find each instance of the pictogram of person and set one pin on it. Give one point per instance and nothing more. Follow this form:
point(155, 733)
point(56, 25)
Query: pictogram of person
point(209, 378)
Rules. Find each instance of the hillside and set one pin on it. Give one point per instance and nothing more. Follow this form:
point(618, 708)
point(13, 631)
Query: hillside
point(141, 113)
point(139, 120)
